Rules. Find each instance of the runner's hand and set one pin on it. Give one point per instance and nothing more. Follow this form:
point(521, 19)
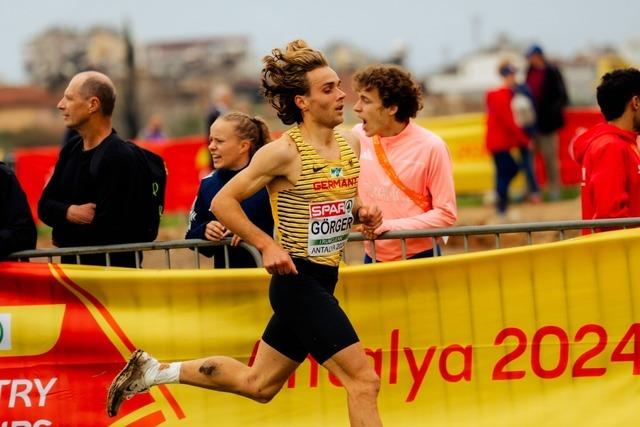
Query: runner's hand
point(370, 216)
point(277, 261)
point(369, 233)
point(214, 230)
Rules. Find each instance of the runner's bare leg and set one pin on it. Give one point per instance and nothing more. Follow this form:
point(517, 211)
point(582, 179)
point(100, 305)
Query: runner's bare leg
point(260, 382)
point(354, 371)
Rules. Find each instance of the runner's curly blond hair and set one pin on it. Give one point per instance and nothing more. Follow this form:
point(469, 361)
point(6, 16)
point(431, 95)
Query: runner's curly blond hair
point(284, 76)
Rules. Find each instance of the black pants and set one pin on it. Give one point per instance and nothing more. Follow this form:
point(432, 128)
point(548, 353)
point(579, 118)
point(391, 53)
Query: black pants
point(506, 170)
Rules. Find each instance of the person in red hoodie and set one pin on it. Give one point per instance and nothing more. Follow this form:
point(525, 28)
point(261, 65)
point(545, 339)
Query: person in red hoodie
point(608, 152)
point(504, 134)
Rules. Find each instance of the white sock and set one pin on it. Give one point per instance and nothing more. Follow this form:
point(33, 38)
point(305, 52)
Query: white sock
point(165, 373)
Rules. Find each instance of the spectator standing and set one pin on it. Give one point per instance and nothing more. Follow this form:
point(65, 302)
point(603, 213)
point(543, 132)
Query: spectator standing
point(405, 169)
point(504, 134)
point(17, 229)
point(235, 137)
point(608, 152)
point(222, 101)
point(550, 96)
point(88, 205)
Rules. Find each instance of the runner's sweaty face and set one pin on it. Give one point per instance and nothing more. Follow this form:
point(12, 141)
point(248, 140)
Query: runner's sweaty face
point(325, 101)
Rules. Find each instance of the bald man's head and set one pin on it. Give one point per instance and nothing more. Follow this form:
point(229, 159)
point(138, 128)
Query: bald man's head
point(93, 83)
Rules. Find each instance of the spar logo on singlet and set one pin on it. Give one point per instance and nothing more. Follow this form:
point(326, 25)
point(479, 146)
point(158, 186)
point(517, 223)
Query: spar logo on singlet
point(329, 225)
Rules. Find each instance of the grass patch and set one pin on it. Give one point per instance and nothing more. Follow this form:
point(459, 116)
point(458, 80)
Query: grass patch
point(569, 193)
point(43, 229)
point(469, 200)
point(174, 219)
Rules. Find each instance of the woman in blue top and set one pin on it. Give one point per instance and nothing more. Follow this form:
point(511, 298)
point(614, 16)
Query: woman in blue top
point(234, 138)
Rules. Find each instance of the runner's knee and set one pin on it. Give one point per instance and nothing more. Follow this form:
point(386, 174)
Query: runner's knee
point(265, 395)
point(258, 390)
point(365, 385)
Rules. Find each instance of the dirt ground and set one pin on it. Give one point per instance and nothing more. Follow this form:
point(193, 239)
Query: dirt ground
point(477, 215)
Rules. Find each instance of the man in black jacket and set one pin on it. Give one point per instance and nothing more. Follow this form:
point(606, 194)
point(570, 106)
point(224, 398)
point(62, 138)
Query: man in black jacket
point(550, 97)
point(89, 202)
point(17, 229)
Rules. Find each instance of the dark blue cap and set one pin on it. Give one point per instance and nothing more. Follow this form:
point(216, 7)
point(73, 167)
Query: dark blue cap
point(507, 69)
point(533, 49)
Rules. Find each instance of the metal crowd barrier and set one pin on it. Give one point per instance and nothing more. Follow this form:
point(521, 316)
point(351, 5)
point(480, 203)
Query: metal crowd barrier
point(561, 227)
point(497, 231)
point(137, 248)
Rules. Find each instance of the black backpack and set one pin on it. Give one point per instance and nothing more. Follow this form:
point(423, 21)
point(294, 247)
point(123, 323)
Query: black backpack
point(151, 183)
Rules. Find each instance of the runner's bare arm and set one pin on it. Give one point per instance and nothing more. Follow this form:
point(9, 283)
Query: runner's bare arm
point(271, 162)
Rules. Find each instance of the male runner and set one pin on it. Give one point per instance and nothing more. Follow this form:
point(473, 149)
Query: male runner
point(311, 173)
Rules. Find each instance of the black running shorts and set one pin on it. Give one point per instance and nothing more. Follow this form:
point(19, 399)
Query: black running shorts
point(307, 317)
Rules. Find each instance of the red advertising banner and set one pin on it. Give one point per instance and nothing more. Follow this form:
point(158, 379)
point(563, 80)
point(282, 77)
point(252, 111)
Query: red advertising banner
point(60, 349)
point(577, 121)
point(34, 167)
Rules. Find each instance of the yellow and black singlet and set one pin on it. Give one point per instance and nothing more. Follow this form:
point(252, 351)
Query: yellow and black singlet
point(313, 218)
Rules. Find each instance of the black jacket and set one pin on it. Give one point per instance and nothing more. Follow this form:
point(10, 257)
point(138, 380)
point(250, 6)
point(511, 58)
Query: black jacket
point(554, 98)
point(17, 229)
point(108, 185)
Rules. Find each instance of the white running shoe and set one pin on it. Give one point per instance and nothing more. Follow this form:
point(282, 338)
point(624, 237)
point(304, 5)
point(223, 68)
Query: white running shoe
point(134, 378)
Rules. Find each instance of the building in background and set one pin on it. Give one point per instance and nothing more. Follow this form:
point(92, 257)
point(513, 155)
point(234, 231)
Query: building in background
point(460, 86)
point(188, 62)
point(54, 56)
point(22, 107)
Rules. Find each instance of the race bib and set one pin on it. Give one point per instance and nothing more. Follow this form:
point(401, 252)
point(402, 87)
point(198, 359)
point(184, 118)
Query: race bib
point(329, 226)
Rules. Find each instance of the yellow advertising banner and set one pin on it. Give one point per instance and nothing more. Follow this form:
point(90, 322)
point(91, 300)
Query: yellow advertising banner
point(547, 335)
point(473, 168)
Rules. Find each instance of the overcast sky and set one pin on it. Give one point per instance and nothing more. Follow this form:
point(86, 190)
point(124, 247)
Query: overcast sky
point(433, 31)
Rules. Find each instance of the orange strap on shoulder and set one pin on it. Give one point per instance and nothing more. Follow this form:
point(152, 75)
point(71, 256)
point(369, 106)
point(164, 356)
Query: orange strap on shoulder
point(418, 199)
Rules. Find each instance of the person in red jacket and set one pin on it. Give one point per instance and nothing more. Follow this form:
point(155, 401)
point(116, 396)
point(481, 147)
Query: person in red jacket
point(504, 134)
point(608, 152)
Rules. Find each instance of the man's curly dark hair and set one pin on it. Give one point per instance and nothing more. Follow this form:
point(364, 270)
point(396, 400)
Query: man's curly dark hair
point(395, 87)
point(616, 90)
